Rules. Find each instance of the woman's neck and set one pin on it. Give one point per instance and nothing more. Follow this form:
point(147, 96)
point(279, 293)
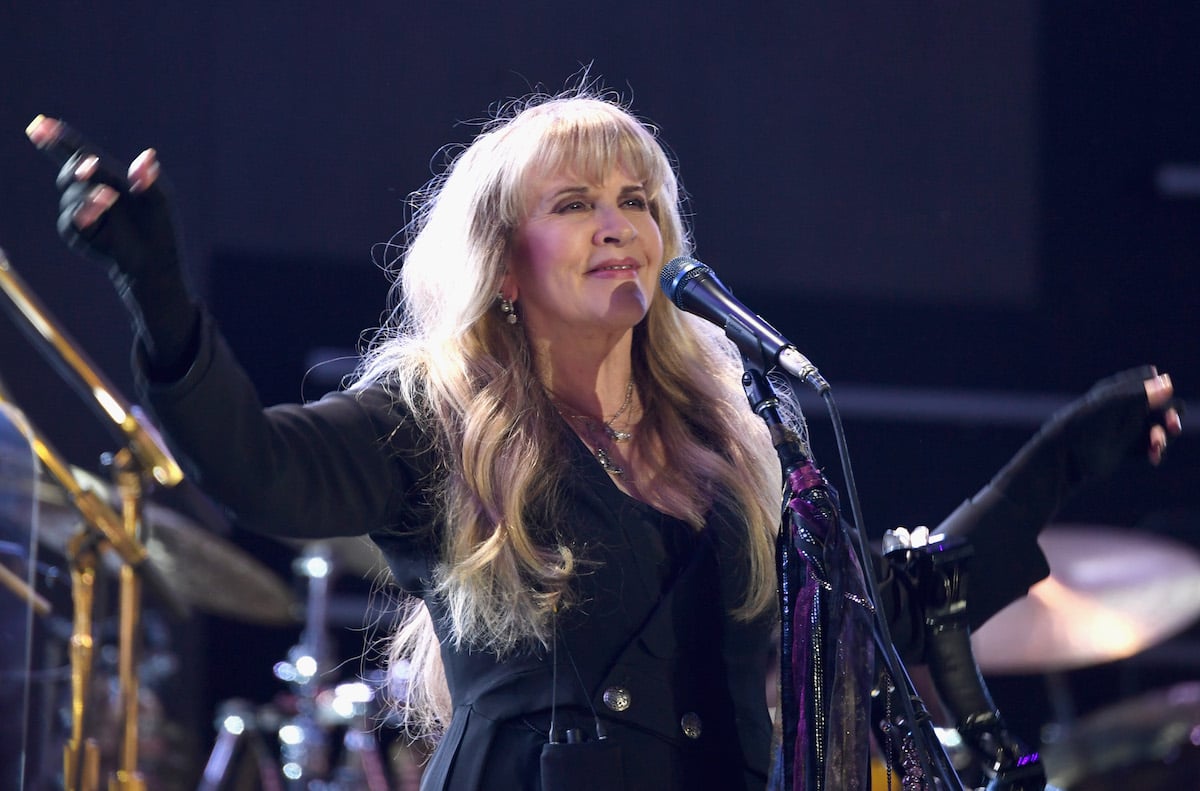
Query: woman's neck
point(593, 382)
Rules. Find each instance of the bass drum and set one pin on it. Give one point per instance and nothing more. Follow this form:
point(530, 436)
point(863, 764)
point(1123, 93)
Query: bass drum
point(1151, 743)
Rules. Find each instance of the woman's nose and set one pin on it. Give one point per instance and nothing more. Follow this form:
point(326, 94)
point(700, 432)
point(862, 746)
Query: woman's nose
point(614, 228)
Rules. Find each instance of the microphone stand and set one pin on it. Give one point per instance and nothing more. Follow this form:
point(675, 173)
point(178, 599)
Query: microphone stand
point(929, 753)
point(143, 460)
point(936, 766)
point(765, 404)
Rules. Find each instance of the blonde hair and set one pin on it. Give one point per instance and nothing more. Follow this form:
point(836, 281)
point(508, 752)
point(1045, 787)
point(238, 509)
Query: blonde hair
point(468, 379)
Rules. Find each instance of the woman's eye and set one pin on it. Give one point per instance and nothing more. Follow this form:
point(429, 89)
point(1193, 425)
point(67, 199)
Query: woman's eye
point(575, 205)
point(636, 203)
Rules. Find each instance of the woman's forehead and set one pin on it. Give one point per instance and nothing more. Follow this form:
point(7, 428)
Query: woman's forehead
point(571, 175)
point(549, 183)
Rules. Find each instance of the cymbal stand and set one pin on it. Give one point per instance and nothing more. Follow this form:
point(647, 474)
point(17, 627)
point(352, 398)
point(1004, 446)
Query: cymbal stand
point(304, 739)
point(362, 765)
point(238, 727)
point(81, 755)
point(304, 745)
point(128, 479)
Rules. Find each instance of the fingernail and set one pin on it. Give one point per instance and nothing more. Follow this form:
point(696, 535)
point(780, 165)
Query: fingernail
point(105, 197)
point(33, 125)
point(86, 167)
point(99, 201)
point(41, 130)
point(149, 177)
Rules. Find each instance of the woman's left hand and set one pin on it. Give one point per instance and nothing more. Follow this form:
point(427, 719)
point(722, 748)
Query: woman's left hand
point(1159, 396)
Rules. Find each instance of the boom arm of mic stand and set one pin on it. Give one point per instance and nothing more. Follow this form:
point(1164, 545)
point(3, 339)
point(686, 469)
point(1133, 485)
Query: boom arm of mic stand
point(143, 441)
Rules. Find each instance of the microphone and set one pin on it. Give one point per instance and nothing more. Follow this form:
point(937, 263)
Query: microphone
point(695, 288)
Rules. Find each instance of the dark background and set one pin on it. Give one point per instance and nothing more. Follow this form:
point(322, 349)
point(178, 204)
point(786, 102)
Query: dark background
point(964, 213)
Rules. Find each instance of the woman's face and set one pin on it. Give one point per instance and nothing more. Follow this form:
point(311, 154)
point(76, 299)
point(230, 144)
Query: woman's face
point(586, 259)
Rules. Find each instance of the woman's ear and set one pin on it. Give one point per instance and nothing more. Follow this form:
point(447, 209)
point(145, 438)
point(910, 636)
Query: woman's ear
point(508, 285)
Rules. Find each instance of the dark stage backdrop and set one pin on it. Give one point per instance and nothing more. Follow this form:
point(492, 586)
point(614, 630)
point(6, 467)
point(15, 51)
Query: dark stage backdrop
point(964, 213)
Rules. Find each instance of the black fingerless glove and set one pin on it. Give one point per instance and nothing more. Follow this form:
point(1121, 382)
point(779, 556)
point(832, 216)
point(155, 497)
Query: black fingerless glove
point(137, 238)
point(1085, 441)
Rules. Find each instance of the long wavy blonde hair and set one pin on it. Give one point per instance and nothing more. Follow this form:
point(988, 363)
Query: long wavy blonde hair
point(468, 379)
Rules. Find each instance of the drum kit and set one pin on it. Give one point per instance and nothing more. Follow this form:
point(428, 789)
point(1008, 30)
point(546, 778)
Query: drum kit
point(106, 535)
point(1112, 594)
point(325, 732)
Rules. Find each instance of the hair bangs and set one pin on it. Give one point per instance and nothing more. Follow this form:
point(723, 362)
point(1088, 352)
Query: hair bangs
point(587, 138)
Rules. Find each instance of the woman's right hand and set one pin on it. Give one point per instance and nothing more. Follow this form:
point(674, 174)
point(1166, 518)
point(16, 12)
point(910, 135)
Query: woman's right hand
point(124, 219)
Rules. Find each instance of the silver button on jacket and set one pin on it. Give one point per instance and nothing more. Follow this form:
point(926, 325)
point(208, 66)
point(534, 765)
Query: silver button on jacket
point(617, 698)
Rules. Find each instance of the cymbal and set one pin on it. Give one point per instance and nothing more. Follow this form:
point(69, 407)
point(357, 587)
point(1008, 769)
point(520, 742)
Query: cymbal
point(1111, 593)
point(202, 569)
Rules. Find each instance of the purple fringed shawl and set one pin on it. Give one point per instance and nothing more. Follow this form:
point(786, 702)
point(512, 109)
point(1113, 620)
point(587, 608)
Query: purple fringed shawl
point(832, 650)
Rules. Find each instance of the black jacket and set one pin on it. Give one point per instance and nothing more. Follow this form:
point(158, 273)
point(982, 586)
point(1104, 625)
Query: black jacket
point(678, 685)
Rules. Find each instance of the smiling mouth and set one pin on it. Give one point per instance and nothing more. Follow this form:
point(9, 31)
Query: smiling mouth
point(623, 266)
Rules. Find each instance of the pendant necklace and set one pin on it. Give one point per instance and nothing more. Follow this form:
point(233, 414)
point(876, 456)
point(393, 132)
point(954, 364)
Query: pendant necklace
point(606, 427)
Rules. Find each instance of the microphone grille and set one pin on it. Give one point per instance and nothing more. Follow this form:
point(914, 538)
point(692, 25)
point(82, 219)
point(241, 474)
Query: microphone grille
point(676, 272)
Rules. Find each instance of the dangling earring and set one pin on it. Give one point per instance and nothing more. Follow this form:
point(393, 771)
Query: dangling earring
point(508, 309)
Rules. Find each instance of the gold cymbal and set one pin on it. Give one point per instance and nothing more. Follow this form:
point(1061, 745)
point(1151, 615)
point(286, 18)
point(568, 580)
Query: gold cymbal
point(1111, 593)
point(204, 570)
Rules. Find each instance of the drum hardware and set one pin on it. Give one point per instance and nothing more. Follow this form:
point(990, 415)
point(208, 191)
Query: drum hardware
point(194, 569)
point(304, 745)
point(103, 529)
point(143, 460)
point(142, 440)
point(13, 582)
point(1151, 742)
point(19, 588)
point(40, 605)
point(238, 725)
point(200, 569)
point(1111, 593)
point(304, 740)
point(304, 720)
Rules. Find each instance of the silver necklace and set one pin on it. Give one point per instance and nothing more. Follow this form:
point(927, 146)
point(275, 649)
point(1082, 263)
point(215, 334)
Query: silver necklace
point(605, 426)
point(615, 434)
